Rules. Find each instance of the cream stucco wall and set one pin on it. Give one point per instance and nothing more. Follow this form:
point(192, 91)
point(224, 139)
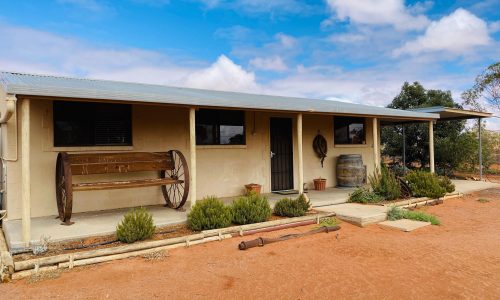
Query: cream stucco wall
point(221, 170)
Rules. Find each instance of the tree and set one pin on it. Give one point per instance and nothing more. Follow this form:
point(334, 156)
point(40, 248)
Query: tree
point(447, 134)
point(487, 87)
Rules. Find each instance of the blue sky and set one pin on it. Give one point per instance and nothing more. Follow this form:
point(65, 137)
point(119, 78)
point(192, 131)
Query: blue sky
point(358, 51)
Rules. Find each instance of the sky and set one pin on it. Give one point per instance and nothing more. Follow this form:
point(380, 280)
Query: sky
point(356, 51)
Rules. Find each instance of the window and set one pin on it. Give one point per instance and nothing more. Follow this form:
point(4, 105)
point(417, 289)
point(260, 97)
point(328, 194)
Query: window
point(349, 130)
point(220, 127)
point(92, 124)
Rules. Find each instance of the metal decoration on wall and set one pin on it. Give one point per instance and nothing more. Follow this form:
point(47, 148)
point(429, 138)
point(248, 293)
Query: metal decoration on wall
point(320, 147)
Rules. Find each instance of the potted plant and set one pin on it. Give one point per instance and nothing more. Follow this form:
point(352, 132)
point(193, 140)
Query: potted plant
point(253, 188)
point(319, 184)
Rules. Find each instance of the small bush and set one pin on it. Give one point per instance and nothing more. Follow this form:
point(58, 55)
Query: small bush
point(137, 225)
point(425, 184)
point(252, 208)
point(209, 213)
point(446, 183)
point(483, 200)
point(385, 183)
point(364, 195)
point(288, 207)
point(396, 213)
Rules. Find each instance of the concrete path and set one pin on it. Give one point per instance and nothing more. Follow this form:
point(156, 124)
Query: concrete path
point(404, 224)
point(469, 186)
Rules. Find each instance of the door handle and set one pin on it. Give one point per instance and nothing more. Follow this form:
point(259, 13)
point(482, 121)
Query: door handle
point(272, 154)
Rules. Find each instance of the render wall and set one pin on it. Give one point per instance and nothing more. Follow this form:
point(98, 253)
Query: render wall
point(221, 170)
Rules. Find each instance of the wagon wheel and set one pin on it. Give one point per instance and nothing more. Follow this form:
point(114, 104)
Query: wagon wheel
point(176, 194)
point(405, 188)
point(64, 193)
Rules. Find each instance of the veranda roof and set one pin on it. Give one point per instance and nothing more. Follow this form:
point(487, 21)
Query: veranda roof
point(65, 87)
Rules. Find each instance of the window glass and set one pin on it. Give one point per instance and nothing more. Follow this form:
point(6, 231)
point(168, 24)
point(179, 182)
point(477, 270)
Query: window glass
point(91, 124)
point(220, 127)
point(349, 130)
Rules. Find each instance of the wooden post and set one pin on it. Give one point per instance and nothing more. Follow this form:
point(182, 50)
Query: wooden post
point(299, 154)
point(25, 172)
point(431, 146)
point(479, 123)
point(376, 154)
point(192, 155)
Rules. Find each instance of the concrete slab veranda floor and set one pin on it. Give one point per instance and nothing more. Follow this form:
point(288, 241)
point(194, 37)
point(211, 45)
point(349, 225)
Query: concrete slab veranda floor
point(86, 224)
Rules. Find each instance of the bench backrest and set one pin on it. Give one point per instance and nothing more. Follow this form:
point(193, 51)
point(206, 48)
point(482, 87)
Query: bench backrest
point(102, 163)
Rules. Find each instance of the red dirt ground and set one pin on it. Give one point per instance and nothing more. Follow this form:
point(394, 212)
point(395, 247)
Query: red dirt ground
point(459, 259)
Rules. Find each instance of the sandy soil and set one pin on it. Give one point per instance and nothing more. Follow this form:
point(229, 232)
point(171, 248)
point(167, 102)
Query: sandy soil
point(459, 259)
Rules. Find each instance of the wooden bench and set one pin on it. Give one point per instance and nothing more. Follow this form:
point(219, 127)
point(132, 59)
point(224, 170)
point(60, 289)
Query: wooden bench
point(171, 167)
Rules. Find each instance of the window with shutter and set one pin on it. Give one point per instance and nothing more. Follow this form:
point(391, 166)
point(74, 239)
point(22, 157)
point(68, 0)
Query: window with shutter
point(92, 124)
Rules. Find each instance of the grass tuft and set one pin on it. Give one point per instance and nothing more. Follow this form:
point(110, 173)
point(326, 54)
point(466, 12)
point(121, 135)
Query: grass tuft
point(396, 213)
point(483, 200)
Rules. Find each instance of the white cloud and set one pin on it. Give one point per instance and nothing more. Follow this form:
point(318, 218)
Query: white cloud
point(225, 75)
point(457, 33)
point(91, 5)
point(347, 38)
point(285, 40)
point(378, 12)
point(494, 26)
point(274, 63)
point(261, 6)
point(71, 57)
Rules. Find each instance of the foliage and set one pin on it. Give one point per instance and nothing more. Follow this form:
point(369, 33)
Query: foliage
point(385, 183)
point(446, 183)
point(483, 200)
point(328, 222)
point(487, 87)
point(252, 208)
point(137, 225)
point(209, 213)
point(425, 184)
point(364, 195)
point(288, 207)
point(396, 213)
point(447, 135)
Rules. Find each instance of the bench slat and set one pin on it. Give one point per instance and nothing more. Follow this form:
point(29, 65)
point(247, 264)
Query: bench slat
point(104, 163)
point(93, 186)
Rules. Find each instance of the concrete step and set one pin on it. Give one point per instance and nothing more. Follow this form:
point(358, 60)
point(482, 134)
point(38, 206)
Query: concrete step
point(357, 214)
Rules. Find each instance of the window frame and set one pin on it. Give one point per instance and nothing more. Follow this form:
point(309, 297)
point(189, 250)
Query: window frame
point(92, 123)
point(352, 120)
point(217, 122)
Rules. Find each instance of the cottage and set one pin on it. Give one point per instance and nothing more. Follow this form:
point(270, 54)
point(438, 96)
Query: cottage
point(228, 139)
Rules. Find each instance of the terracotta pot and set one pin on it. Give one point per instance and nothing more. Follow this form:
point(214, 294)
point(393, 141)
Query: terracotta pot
point(253, 187)
point(319, 184)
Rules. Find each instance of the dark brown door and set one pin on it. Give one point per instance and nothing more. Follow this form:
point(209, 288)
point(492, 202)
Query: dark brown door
point(281, 154)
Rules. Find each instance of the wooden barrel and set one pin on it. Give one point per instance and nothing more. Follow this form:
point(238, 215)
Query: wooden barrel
point(350, 170)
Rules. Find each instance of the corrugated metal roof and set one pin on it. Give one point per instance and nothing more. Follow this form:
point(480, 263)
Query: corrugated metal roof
point(451, 113)
point(51, 86)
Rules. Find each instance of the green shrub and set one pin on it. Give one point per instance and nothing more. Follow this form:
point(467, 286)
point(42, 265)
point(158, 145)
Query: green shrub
point(446, 183)
point(137, 225)
point(209, 213)
point(252, 208)
point(288, 207)
point(385, 183)
point(328, 222)
point(425, 184)
point(396, 213)
point(364, 195)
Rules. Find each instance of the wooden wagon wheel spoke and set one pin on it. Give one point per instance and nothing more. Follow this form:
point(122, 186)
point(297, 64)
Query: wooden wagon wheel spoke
point(176, 193)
